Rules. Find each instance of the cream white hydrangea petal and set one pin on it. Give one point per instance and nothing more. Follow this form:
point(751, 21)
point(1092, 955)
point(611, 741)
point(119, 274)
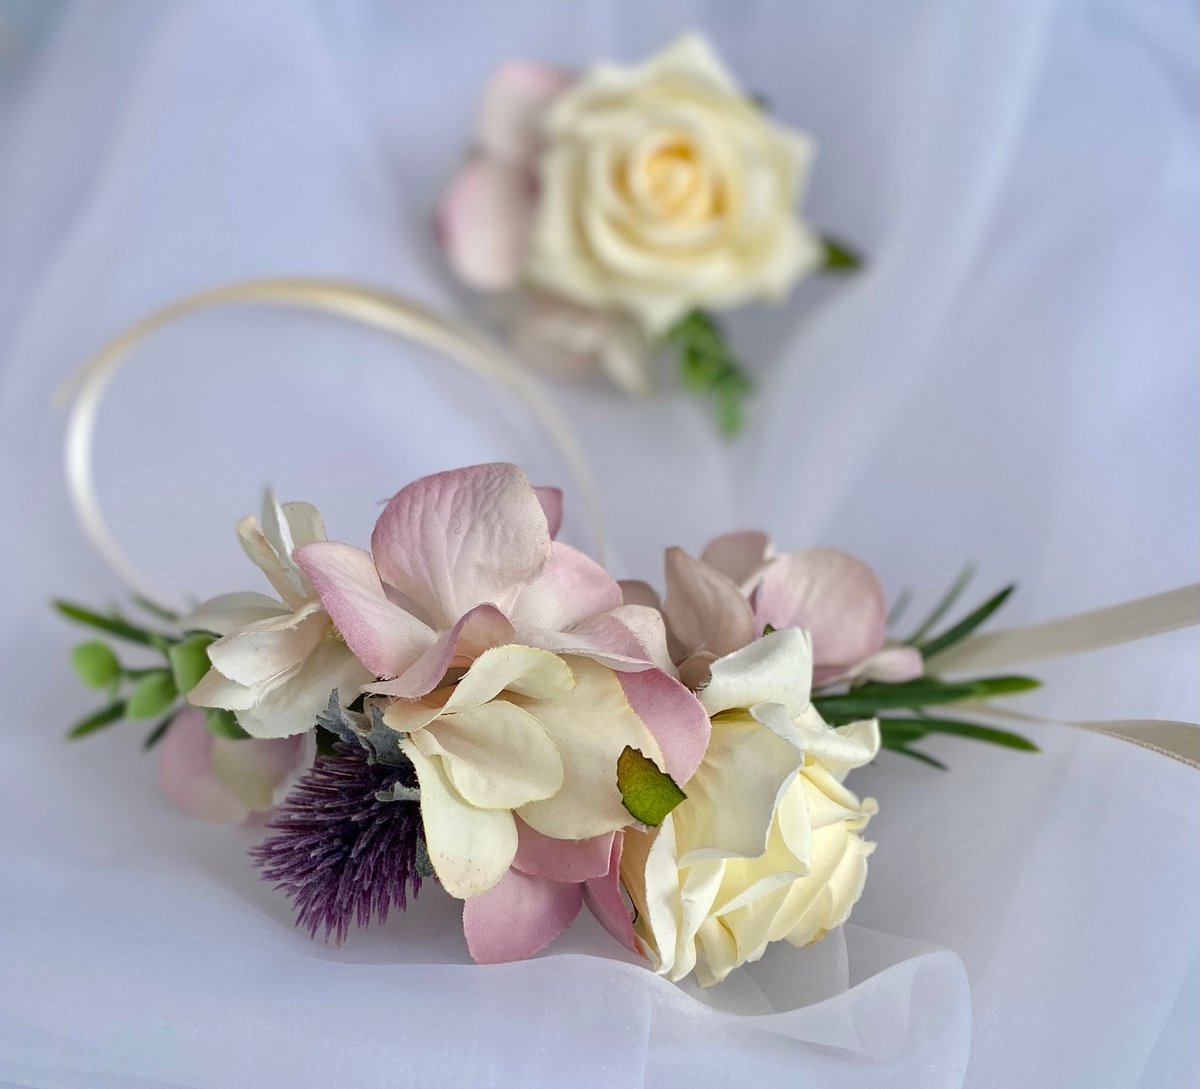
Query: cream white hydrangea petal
point(774, 669)
point(526, 671)
point(496, 756)
point(291, 706)
point(590, 726)
point(228, 612)
point(470, 848)
point(278, 569)
point(270, 649)
point(216, 690)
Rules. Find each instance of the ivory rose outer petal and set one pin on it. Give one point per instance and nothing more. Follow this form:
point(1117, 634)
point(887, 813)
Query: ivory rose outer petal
point(518, 917)
point(773, 669)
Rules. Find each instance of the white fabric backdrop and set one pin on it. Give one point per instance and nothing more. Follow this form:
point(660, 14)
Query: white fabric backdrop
point(1013, 380)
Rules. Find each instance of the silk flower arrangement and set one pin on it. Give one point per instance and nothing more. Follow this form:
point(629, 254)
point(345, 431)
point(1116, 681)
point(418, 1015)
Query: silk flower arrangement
point(477, 703)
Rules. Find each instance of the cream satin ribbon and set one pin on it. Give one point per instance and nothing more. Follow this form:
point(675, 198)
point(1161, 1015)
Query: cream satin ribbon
point(1094, 630)
point(367, 306)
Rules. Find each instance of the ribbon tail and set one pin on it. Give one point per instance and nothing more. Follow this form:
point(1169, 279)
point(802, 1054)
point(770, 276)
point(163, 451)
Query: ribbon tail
point(1078, 634)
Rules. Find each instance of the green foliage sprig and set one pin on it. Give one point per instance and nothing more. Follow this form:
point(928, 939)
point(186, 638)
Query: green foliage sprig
point(901, 707)
point(144, 692)
point(707, 364)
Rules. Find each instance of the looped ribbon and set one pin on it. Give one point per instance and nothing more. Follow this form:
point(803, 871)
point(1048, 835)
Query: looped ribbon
point(1124, 623)
point(353, 302)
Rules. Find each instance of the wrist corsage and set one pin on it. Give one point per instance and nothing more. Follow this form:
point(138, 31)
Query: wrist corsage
point(616, 212)
point(476, 703)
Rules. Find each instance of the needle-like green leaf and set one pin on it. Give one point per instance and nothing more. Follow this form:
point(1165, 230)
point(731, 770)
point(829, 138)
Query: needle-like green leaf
point(967, 625)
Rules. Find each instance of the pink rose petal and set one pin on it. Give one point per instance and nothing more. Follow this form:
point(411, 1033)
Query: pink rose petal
point(515, 101)
point(834, 596)
point(468, 537)
point(186, 776)
point(605, 901)
point(483, 223)
point(518, 917)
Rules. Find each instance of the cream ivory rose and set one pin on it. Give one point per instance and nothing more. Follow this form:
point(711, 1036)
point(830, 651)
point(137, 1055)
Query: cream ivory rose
point(664, 187)
point(766, 847)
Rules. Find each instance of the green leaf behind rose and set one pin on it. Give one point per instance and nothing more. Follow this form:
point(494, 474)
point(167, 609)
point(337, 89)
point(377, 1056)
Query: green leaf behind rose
point(646, 791)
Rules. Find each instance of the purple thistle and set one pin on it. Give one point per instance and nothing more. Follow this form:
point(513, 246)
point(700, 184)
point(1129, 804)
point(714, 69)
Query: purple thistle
point(340, 853)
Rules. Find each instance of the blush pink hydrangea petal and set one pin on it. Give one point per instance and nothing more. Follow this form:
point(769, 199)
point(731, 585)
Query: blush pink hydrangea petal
point(384, 637)
point(483, 222)
point(604, 899)
point(561, 859)
point(515, 102)
point(706, 610)
point(833, 596)
point(673, 715)
point(569, 589)
point(893, 665)
point(482, 628)
point(739, 556)
point(186, 776)
point(518, 917)
point(551, 500)
point(458, 539)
